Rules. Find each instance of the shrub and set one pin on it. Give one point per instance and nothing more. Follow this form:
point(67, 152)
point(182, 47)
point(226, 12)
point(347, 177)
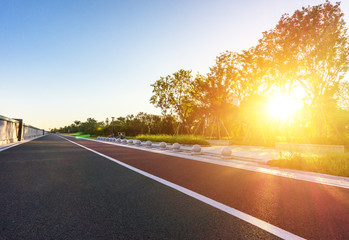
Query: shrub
point(182, 139)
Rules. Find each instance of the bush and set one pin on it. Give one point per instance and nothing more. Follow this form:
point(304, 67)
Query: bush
point(182, 139)
point(74, 134)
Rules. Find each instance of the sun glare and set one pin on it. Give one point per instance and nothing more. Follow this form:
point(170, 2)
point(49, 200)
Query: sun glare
point(283, 106)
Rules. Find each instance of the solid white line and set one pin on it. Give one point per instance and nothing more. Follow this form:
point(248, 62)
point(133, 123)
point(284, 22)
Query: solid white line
point(232, 211)
point(320, 178)
point(19, 143)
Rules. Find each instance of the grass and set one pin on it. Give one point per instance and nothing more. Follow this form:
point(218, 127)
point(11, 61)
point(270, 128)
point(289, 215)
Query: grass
point(92, 137)
point(74, 134)
point(182, 139)
point(80, 135)
point(334, 164)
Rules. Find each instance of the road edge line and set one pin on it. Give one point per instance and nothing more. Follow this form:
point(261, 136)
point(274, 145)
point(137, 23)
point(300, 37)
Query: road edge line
point(19, 143)
point(225, 208)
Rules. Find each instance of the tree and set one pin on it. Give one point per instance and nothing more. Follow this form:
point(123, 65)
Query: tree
point(91, 126)
point(172, 94)
point(309, 48)
point(216, 92)
point(252, 74)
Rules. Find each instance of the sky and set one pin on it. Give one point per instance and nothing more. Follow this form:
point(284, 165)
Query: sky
point(63, 60)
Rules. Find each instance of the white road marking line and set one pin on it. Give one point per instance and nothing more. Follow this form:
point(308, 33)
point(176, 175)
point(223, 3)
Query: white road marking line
point(19, 143)
point(232, 211)
point(342, 182)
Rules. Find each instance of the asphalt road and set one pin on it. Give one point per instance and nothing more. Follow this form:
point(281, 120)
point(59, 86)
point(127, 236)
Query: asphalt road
point(53, 189)
point(309, 210)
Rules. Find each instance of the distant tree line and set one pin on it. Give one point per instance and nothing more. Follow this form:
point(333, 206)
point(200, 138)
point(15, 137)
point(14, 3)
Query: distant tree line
point(132, 125)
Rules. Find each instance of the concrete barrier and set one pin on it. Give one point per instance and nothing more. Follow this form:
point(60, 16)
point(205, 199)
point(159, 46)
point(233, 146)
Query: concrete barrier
point(13, 130)
point(9, 129)
point(31, 132)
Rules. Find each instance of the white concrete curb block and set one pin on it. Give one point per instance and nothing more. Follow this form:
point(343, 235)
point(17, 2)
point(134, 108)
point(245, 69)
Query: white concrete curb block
point(226, 152)
point(148, 144)
point(176, 147)
point(162, 145)
point(196, 150)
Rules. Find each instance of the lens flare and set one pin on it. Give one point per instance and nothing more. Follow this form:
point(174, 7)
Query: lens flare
point(283, 106)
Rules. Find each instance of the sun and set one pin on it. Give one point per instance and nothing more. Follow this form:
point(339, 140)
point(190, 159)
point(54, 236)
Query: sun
point(283, 107)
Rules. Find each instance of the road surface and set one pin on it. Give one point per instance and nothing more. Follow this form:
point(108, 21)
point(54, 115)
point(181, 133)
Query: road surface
point(52, 188)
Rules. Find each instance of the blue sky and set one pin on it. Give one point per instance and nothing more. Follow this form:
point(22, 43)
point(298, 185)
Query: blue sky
point(62, 61)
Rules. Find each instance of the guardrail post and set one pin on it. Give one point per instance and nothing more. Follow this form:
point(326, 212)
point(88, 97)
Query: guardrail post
point(20, 128)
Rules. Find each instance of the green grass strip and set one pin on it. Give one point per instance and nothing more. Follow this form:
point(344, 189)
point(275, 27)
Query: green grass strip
point(334, 164)
point(182, 139)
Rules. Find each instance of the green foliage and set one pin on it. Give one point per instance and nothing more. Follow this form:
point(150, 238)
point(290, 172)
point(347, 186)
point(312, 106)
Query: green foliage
point(217, 91)
point(172, 94)
point(182, 139)
point(308, 50)
point(310, 47)
point(132, 125)
point(83, 136)
point(75, 134)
